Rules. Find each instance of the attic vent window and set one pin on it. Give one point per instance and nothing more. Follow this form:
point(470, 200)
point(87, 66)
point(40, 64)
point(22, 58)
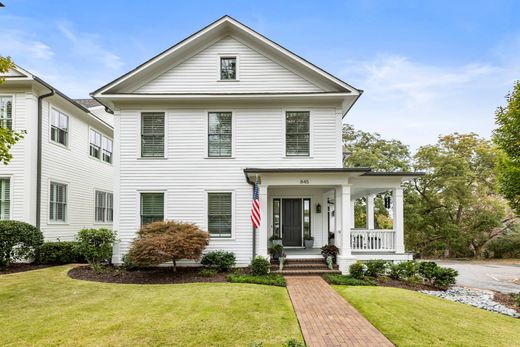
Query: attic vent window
point(228, 68)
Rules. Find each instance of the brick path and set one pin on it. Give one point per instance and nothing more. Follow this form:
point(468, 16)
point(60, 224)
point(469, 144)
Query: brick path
point(326, 319)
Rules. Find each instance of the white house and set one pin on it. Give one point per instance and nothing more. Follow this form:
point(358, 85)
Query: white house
point(198, 124)
point(60, 177)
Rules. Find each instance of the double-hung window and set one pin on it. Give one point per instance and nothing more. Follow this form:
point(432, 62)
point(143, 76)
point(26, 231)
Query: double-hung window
point(152, 134)
point(107, 150)
point(5, 198)
point(152, 207)
point(59, 127)
point(6, 112)
point(220, 215)
point(95, 144)
point(58, 202)
point(104, 206)
point(297, 134)
point(219, 134)
point(228, 68)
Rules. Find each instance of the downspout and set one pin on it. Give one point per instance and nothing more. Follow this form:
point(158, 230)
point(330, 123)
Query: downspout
point(39, 157)
point(254, 230)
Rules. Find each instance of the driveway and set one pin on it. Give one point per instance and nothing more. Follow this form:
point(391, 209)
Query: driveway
point(486, 275)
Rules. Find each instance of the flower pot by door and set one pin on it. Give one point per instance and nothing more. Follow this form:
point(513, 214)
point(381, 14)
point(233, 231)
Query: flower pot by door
point(309, 243)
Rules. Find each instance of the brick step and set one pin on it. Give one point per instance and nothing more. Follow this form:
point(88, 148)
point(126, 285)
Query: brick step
point(298, 261)
point(302, 266)
point(302, 272)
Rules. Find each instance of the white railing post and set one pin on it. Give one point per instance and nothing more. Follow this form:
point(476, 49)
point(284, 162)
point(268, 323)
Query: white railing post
point(398, 222)
point(345, 258)
point(370, 211)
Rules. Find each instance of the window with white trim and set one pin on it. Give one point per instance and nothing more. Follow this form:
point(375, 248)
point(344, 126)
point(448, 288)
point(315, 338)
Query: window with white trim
point(107, 150)
point(219, 134)
point(5, 198)
point(59, 127)
point(297, 133)
point(152, 134)
point(104, 202)
point(6, 112)
point(152, 207)
point(100, 146)
point(220, 215)
point(228, 68)
point(95, 144)
point(58, 202)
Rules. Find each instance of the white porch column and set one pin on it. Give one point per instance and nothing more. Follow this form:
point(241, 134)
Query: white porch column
point(398, 214)
point(337, 217)
point(345, 258)
point(353, 213)
point(370, 211)
point(261, 232)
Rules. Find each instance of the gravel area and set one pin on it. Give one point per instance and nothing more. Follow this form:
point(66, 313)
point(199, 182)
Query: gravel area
point(474, 297)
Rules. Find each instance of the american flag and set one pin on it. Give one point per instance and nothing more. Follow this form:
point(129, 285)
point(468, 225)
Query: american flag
point(255, 208)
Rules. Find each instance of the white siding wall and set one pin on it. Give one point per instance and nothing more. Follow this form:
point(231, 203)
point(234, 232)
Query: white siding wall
point(200, 73)
point(186, 174)
point(74, 167)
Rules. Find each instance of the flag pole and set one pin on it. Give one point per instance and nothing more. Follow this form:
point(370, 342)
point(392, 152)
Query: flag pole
point(254, 229)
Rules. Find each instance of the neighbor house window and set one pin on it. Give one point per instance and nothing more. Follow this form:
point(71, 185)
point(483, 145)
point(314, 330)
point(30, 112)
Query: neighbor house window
point(95, 144)
point(58, 202)
point(104, 206)
point(152, 135)
point(219, 215)
point(107, 150)
point(297, 133)
point(228, 68)
point(152, 207)
point(5, 198)
point(219, 134)
point(59, 127)
point(6, 112)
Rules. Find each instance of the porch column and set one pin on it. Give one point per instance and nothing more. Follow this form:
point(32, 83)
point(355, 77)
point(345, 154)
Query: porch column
point(345, 258)
point(353, 213)
point(370, 211)
point(261, 248)
point(337, 217)
point(398, 222)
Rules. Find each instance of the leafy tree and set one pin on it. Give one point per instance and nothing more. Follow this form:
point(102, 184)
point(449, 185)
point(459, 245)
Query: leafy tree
point(8, 137)
point(507, 137)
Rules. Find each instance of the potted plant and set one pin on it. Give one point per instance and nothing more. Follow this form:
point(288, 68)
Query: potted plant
point(330, 251)
point(275, 240)
point(308, 241)
point(276, 251)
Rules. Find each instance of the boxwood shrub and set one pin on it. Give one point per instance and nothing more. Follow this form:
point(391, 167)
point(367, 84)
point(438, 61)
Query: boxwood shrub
point(18, 241)
point(63, 252)
point(219, 260)
point(260, 266)
point(347, 280)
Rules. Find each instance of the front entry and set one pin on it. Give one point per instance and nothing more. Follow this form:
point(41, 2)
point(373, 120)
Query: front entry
point(292, 222)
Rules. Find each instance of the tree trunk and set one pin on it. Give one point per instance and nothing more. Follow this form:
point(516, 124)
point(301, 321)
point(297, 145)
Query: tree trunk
point(174, 266)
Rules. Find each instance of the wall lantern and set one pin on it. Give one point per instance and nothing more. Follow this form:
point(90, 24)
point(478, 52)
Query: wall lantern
point(318, 208)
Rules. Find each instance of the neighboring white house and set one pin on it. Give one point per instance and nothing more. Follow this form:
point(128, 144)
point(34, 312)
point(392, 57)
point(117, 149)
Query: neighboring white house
point(60, 177)
point(198, 124)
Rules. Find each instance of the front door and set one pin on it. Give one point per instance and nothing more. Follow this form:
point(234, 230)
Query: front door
point(292, 222)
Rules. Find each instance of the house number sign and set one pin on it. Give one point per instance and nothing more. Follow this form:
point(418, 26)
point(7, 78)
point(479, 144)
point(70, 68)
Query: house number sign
point(304, 181)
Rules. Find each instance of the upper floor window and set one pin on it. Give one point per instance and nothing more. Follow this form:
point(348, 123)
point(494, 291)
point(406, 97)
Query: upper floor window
point(107, 150)
point(100, 146)
point(58, 202)
point(152, 135)
point(104, 206)
point(5, 198)
point(297, 133)
point(59, 127)
point(6, 112)
point(219, 134)
point(152, 207)
point(228, 68)
point(220, 214)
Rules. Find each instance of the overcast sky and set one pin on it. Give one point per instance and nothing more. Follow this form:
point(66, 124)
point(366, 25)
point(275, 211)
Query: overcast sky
point(427, 68)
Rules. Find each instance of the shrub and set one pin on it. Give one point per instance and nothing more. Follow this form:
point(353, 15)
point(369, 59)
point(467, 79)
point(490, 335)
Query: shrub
point(357, 270)
point(376, 268)
point(260, 266)
point(428, 270)
point(164, 241)
point(269, 279)
point(346, 280)
point(219, 260)
point(403, 270)
point(128, 264)
point(96, 245)
point(18, 241)
point(293, 343)
point(330, 250)
point(445, 277)
point(208, 272)
point(63, 252)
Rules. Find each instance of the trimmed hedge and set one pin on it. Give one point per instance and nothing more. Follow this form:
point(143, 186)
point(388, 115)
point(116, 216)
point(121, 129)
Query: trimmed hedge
point(219, 260)
point(64, 252)
point(271, 279)
point(18, 241)
point(347, 280)
point(260, 266)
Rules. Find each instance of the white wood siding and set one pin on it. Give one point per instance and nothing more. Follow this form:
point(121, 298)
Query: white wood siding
point(201, 73)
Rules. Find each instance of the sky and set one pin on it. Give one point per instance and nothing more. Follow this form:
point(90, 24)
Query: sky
point(427, 68)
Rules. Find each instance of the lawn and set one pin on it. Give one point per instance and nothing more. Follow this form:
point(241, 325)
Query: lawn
point(410, 318)
point(47, 308)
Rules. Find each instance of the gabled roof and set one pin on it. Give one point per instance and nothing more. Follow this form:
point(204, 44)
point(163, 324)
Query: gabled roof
point(221, 26)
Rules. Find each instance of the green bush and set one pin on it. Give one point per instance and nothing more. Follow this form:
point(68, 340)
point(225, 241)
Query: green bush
point(376, 268)
point(428, 270)
point(260, 266)
point(18, 241)
point(62, 252)
point(404, 270)
point(357, 270)
point(347, 280)
point(293, 343)
point(208, 272)
point(444, 277)
point(96, 245)
point(270, 279)
point(219, 260)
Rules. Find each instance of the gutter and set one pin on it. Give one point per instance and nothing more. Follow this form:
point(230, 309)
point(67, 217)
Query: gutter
point(254, 230)
point(39, 155)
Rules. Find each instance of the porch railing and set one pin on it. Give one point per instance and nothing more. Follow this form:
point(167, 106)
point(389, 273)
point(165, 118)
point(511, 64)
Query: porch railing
point(372, 240)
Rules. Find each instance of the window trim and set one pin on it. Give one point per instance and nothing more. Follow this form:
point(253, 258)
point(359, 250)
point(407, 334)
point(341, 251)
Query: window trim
point(59, 144)
point(284, 134)
point(105, 214)
point(140, 135)
point(102, 148)
point(138, 199)
point(232, 136)
point(67, 203)
point(237, 72)
point(206, 212)
point(13, 108)
point(10, 178)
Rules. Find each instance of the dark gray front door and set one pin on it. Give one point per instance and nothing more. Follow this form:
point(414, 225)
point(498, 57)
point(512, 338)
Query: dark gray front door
point(292, 222)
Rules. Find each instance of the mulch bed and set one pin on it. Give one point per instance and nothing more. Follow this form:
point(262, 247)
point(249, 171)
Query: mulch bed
point(22, 267)
point(507, 300)
point(389, 282)
point(156, 275)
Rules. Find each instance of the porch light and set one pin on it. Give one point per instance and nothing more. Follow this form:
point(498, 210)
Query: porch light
point(318, 208)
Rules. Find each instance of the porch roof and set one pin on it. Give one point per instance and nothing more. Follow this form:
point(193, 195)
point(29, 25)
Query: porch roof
point(363, 171)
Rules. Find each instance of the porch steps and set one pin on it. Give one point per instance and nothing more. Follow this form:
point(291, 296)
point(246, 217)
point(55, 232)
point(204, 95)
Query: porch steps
point(303, 267)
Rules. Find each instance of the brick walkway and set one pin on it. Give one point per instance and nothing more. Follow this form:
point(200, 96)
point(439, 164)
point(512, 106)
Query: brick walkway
point(326, 319)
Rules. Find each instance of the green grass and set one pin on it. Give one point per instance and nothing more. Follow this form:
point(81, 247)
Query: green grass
point(271, 279)
point(347, 280)
point(410, 318)
point(47, 308)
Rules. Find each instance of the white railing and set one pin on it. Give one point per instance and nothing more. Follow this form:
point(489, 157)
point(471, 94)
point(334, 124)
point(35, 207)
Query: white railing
point(372, 240)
